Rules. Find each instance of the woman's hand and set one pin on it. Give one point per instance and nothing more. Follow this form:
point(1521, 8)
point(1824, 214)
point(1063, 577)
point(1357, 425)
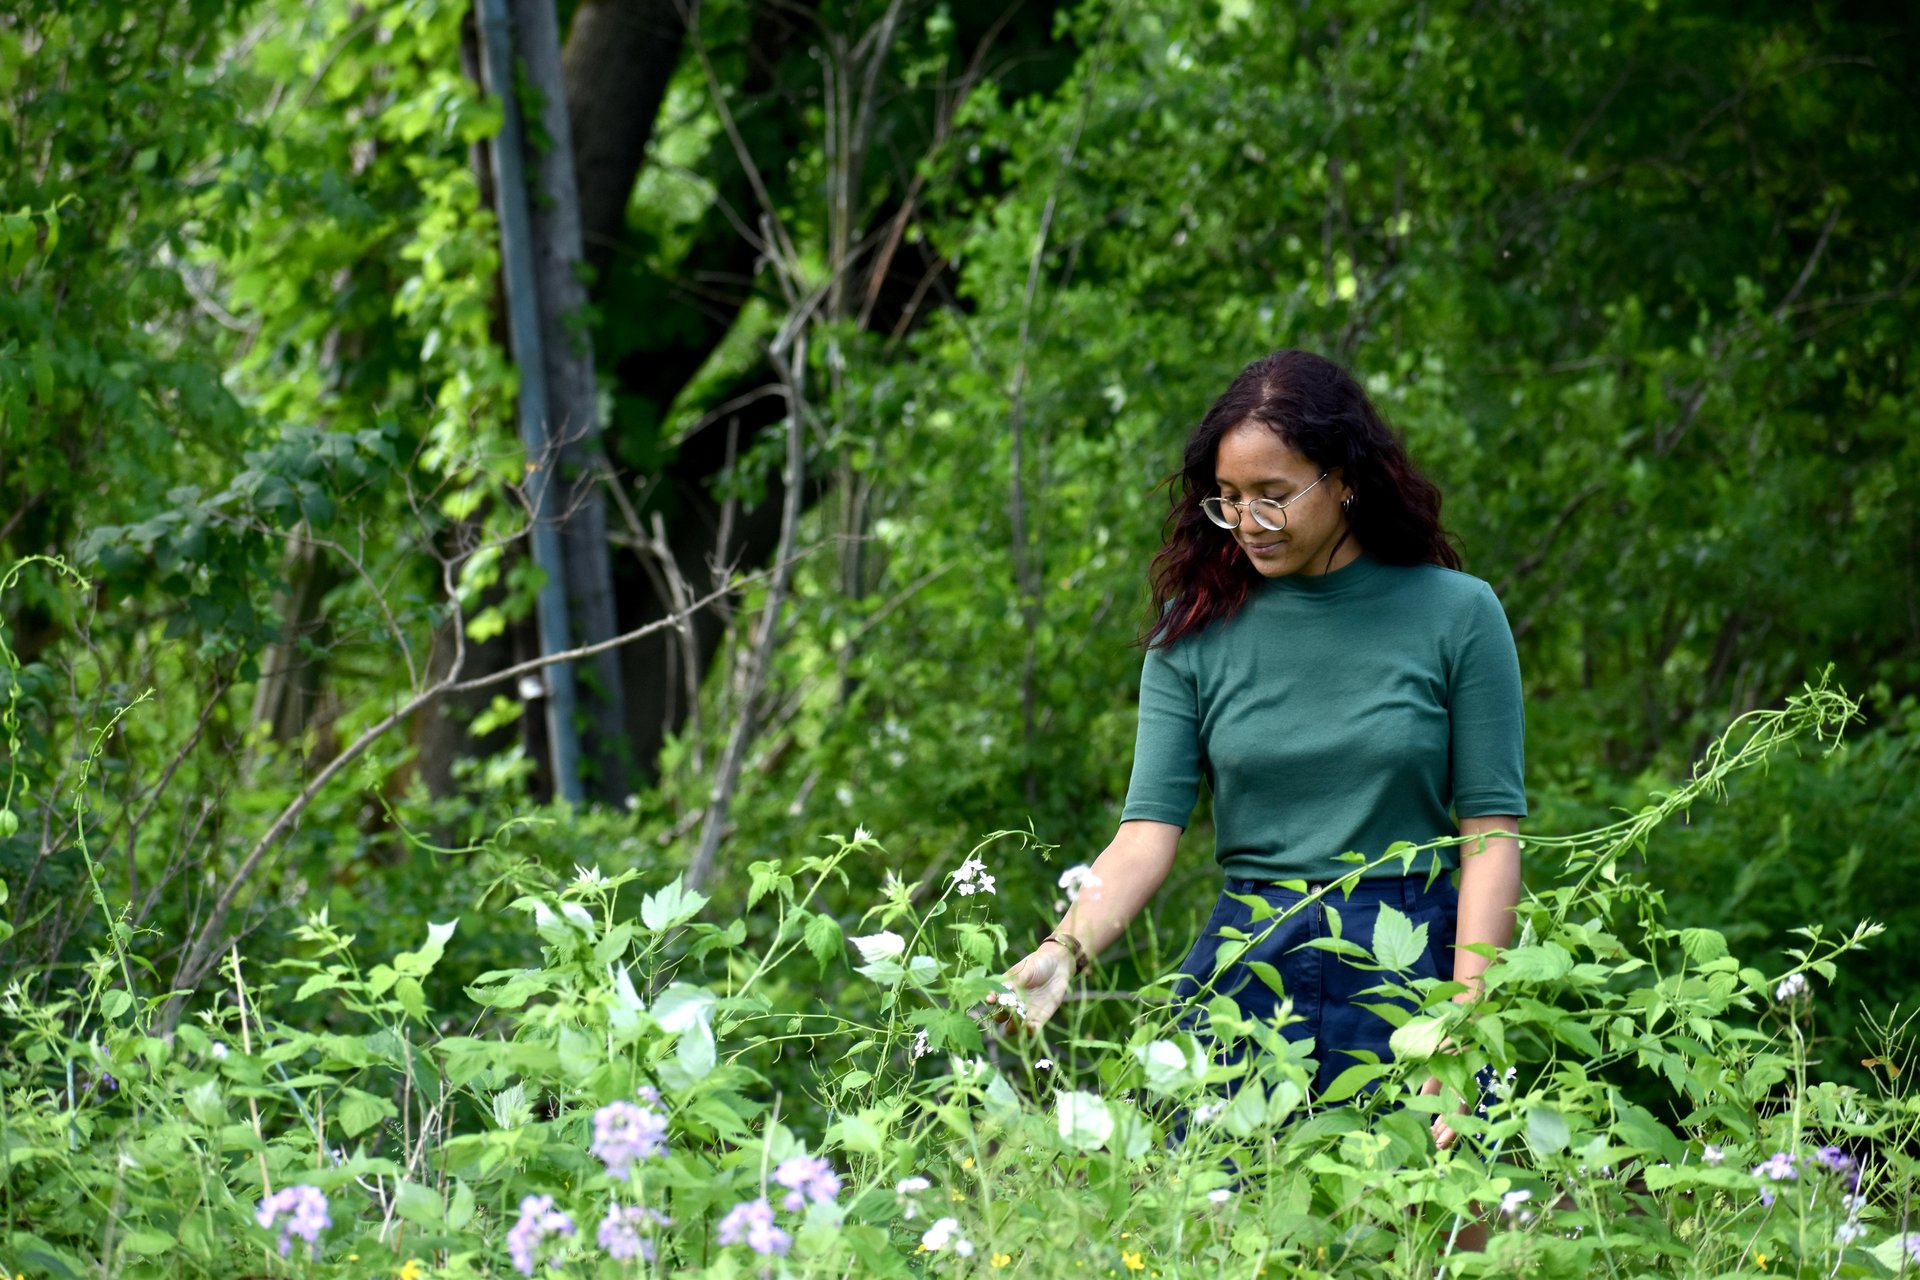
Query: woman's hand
point(1443, 1134)
point(1040, 982)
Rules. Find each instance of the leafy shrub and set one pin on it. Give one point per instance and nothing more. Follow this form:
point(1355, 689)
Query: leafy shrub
point(652, 1094)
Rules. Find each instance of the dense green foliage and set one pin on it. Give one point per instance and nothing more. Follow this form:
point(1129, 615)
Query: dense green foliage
point(1636, 283)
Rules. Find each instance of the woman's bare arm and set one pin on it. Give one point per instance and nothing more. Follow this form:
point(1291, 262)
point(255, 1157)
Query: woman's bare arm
point(1489, 892)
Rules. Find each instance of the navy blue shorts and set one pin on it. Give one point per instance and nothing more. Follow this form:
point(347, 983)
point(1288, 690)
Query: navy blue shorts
point(1324, 987)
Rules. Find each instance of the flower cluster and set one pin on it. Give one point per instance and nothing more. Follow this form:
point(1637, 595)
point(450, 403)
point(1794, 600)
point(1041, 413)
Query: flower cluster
point(625, 1133)
point(1512, 1205)
point(909, 1189)
point(806, 1178)
point(1075, 881)
point(1778, 1167)
point(1791, 988)
point(300, 1210)
point(619, 1232)
point(751, 1223)
point(945, 1234)
point(1838, 1162)
point(971, 877)
point(538, 1220)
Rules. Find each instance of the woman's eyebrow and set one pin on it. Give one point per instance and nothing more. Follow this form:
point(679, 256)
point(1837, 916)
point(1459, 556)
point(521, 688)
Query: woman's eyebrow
point(1274, 482)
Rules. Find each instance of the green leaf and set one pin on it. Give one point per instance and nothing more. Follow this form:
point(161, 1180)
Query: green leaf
point(419, 1204)
point(1703, 945)
point(461, 1211)
point(358, 1111)
point(675, 904)
point(420, 963)
point(1397, 944)
point(1546, 962)
point(1420, 1038)
point(1547, 1130)
point(146, 1243)
point(1083, 1120)
point(823, 938)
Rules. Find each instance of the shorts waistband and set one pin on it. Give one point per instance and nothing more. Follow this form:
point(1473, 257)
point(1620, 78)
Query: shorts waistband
point(1403, 890)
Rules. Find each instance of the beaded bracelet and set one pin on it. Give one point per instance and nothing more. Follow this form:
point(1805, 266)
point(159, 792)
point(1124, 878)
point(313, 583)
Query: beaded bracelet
point(1073, 947)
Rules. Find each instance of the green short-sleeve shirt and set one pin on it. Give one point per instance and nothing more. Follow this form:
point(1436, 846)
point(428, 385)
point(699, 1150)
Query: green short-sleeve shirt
point(1335, 713)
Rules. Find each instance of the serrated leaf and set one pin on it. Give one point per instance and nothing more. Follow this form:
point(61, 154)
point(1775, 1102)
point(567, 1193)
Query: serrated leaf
point(1703, 945)
point(672, 905)
point(1397, 943)
point(358, 1111)
point(1546, 962)
point(823, 938)
point(1419, 1039)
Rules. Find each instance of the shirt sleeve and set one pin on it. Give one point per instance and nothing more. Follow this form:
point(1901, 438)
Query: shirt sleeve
point(1167, 759)
point(1487, 713)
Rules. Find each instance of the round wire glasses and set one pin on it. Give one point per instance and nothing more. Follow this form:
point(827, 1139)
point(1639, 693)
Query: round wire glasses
point(1269, 513)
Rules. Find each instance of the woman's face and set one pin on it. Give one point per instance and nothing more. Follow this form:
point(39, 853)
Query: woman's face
point(1252, 461)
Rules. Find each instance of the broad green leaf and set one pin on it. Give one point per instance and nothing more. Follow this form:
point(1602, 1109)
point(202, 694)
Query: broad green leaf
point(673, 905)
point(1083, 1120)
point(1397, 943)
point(1547, 1130)
point(1420, 1038)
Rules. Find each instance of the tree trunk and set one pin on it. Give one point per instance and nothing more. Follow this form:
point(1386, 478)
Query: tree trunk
point(572, 402)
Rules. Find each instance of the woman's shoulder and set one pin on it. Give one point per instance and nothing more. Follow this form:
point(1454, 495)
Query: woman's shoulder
point(1438, 583)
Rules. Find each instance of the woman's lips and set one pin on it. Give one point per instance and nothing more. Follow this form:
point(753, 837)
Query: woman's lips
point(1263, 549)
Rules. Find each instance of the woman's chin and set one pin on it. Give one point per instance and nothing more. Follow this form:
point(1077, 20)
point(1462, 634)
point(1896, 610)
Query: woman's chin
point(1271, 562)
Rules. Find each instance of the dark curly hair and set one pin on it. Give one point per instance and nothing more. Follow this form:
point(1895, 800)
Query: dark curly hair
point(1200, 577)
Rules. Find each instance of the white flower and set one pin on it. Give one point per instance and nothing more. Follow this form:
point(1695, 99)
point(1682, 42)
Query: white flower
point(1220, 1195)
point(911, 1186)
point(943, 1233)
point(1043, 1064)
point(919, 1048)
point(1207, 1113)
point(218, 1050)
point(1791, 987)
point(885, 945)
point(1711, 1154)
point(1510, 1203)
point(1076, 880)
point(1847, 1232)
point(1502, 1085)
point(861, 833)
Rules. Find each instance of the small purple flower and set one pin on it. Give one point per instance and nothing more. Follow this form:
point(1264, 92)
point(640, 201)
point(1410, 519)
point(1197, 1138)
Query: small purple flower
point(1835, 1159)
point(806, 1178)
point(751, 1223)
point(625, 1134)
point(619, 1232)
point(301, 1211)
point(538, 1220)
point(1780, 1168)
point(1912, 1245)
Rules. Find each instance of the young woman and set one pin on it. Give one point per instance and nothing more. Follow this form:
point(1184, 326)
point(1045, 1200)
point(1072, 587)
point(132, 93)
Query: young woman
point(1319, 659)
